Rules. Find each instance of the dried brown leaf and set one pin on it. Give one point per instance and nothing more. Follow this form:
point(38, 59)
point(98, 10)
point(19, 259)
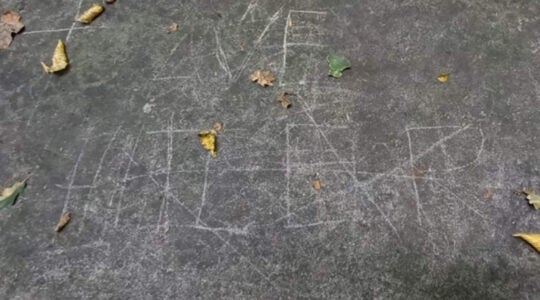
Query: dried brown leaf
point(64, 220)
point(264, 78)
point(90, 14)
point(488, 194)
point(218, 126)
point(172, 28)
point(10, 23)
point(282, 98)
point(317, 184)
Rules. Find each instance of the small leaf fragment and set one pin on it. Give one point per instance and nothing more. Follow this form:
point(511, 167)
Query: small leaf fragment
point(208, 141)
point(59, 59)
point(218, 126)
point(337, 64)
point(534, 199)
point(488, 194)
point(443, 77)
point(264, 78)
point(64, 220)
point(282, 98)
point(172, 28)
point(90, 14)
point(9, 24)
point(532, 238)
point(9, 194)
point(317, 184)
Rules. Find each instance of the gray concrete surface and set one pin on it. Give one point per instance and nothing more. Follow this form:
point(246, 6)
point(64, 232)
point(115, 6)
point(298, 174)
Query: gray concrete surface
point(114, 141)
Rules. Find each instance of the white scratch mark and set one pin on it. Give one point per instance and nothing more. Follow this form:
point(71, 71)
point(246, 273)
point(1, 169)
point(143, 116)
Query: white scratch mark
point(126, 175)
point(221, 57)
point(251, 5)
point(72, 178)
point(205, 187)
point(74, 22)
point(167, 191)
point(419, 208)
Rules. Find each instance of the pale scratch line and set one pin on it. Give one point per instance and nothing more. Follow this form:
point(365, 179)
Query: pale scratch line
point(315, 12)
point(72, 179)
point(284, 58)
point(126, 175)
point(98, 172)
point(74, 22)
point(272, 20)
point(170, 78)
point(415, 187)
point(251, 5)
point(164, 200)
point(478, 154)
point(320, 223)
point(324, 136)
point(288, 173)
point(441, 141)
point(221, 57)
point(306, 44)
point(345, 167)
point(74, 187)
point(244, 63)
point(173, 131)
point(418, 156)
point(63, 29)
point(205, 187)
point(233, 230)
point(457, 198)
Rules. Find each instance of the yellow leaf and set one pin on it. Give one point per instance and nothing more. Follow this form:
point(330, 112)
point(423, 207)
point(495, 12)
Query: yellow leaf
point(443, 77)
point(9, 194)
point(264, 78)
point(208, 141)
point(59, 59)
point(64, 220)
point(90, 14)
point(531, 238)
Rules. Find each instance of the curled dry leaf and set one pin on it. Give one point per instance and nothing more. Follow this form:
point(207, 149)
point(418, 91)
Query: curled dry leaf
point(90, 14)
point(317, 184)
point(208, 141)
point(10, 23)
point(282, 98)
point(488, 194)
point(59, 59)
point(172, 28)
point(218, 126)
point(532, 238)
point(534, 199)
point(443, 77)
point(264, 78)
point(64, 220)
point(9, 194)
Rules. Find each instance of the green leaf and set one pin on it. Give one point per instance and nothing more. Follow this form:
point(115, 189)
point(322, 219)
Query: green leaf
point(8, 195)
point(336, 65)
